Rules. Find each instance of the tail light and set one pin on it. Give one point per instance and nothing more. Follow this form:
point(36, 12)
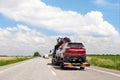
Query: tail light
point(68, 50)
point(75, 51)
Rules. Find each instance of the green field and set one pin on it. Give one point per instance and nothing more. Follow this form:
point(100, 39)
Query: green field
point(107, 61)
point(10, 60)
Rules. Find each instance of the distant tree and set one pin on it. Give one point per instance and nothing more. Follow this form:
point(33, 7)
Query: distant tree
point(36, 54)
point(50, 55)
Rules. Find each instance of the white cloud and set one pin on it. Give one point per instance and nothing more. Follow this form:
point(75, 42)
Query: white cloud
point(100, 45)
point(108, 3)
point(100, 1)
point(38, 13)
point(20, 40)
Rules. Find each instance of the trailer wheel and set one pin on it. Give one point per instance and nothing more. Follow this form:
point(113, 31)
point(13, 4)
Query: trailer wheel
point(62, 65)
point(82, 68)
point(53, 62)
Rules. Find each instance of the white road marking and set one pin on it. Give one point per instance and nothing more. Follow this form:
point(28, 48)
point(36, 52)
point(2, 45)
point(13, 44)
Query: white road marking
point(52, 70)
point(14, 67)
point(114, 74)
point(53, 73)
point(49, 66)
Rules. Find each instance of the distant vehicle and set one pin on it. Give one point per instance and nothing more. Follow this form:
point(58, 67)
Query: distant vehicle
point(68, 54)
point(46, 56)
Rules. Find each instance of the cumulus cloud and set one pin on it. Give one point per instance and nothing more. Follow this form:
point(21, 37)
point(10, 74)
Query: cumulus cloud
point(106, 45)
point(38, 13)
point(91, 28)
point(20, 40)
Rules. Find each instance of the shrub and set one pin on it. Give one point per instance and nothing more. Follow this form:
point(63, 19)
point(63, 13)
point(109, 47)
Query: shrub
point(36, 54)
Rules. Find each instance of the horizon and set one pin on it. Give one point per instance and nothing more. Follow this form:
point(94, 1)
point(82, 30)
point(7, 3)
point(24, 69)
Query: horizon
point(27, 26)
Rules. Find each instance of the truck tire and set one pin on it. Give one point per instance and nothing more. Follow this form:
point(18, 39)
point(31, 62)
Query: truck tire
point(62, 65)
point(53, 61)
point(82, 68)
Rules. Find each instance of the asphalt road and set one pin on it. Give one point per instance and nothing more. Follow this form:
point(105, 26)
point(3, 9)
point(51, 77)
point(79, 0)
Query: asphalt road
point(41, 69)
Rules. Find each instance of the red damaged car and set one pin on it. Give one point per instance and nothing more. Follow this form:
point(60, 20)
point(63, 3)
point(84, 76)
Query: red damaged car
point(68, 54)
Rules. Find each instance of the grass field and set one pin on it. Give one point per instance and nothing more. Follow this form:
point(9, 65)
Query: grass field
point(108, 61)
point(10, 60)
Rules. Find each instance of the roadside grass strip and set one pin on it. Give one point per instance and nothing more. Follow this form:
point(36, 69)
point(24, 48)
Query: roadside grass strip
point(111, 62)
point(7, 60)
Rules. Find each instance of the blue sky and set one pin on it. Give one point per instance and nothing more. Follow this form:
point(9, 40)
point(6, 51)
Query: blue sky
point(33, 25)
point(110, 11)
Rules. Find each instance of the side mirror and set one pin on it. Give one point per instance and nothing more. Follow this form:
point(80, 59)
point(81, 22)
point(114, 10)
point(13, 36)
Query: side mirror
point(50, 51)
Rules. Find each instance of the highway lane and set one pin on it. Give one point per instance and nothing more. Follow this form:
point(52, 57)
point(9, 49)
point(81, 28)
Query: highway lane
point(90, 73)
point(41, 69)
point(35, 69)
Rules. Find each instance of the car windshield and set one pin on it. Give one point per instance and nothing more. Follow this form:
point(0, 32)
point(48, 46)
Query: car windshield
point(75, 45)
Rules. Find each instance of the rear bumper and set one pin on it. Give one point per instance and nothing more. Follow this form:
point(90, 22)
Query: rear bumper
point(75, 59)
point(77, 64)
